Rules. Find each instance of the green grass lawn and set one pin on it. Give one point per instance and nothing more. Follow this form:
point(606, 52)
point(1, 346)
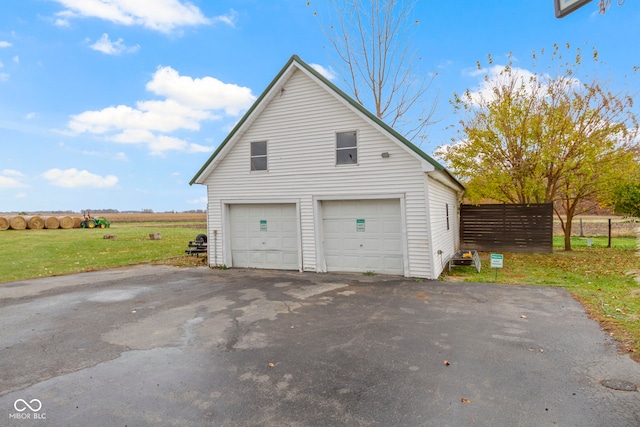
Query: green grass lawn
point(29, 254)
point(601, 278)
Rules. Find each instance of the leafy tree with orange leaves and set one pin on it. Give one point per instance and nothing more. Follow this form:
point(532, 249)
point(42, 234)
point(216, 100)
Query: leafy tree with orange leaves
point(534, 137)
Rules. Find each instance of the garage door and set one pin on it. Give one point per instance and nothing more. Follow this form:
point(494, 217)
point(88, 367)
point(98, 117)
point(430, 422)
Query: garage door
point(264, 236)
point(363, 235)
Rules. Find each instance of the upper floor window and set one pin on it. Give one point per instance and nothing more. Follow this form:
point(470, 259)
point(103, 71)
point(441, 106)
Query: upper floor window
point(259, 156)
point(346, 148)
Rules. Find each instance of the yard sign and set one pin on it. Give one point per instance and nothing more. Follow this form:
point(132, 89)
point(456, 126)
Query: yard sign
point(496, 260)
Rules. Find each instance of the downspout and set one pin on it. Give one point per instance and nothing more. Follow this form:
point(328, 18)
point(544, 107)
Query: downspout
point(215, 247)
point(430, 252)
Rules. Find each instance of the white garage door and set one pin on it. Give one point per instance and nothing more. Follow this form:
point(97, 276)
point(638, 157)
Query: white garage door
point(264, 236)
point(363, 235)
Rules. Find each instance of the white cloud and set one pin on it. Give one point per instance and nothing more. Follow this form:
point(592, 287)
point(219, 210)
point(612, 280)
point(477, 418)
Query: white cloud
point(10, 178)
point(21, 196)
point(108, 155)
point(499, 75)
point(198, 201)
point(121, 156)
point(189, 101)
point(327, 73)
point(12, 172)
point(4, 44)
point(158, 144)
point(30, 116)
point(163, 116)
point(74, 178)
point(161, 143)
point(105, 45)
point(442, 151)
point(496, 76)
point(62, 19)
point(159, 15)
point(229, 19)
point(197, 148)
point(473, 72)
point(206, 93)
point(16, 59)
point(6, 182)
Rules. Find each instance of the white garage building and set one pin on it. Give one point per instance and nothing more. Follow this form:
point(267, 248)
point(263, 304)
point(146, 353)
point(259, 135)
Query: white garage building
point(309, 180)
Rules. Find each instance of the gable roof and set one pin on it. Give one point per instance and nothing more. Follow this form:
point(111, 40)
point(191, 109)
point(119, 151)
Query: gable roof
point(258, 105)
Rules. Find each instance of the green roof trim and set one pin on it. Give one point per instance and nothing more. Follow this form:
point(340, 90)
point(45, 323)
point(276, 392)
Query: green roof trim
point(243, 119)
point(350, 100)
point(370, 115)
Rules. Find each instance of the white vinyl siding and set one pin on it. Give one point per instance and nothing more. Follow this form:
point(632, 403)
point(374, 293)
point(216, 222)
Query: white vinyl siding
point(445, 240)
point(301, 123)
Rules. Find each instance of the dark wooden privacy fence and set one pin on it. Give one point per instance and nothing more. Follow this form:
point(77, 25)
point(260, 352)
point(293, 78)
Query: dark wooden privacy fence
point(508, 228)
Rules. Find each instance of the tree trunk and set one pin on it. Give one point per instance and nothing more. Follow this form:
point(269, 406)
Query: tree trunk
point(570, 209)
point(567, 233)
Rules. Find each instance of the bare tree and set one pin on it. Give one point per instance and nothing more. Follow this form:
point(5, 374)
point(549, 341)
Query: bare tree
point(371, 40)
point(603, 5)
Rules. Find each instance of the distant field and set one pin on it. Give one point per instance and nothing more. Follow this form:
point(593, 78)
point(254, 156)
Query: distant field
point(29, 254)
point(186, 220)
point(155, 217)
point(593, 226)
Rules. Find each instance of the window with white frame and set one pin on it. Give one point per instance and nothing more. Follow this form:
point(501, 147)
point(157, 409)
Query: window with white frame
point(347, 148)
point(259, 156)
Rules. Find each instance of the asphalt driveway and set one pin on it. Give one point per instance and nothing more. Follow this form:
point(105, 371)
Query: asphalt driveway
point(160, 345)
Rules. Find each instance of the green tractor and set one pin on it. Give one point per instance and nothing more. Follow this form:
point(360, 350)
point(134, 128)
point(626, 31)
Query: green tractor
point(97, 222)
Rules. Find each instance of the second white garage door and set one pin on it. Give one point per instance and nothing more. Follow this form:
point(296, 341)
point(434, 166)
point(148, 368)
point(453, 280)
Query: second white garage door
point(264, 236)
point(363, 235)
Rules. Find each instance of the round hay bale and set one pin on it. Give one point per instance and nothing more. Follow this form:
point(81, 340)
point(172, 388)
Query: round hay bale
point(51, 222)
point(4, 223)
point(34, 222)
point(66, 222)
point(17, 223)
point(77, 221)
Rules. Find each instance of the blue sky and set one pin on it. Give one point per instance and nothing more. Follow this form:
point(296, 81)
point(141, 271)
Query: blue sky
point(118, 103)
